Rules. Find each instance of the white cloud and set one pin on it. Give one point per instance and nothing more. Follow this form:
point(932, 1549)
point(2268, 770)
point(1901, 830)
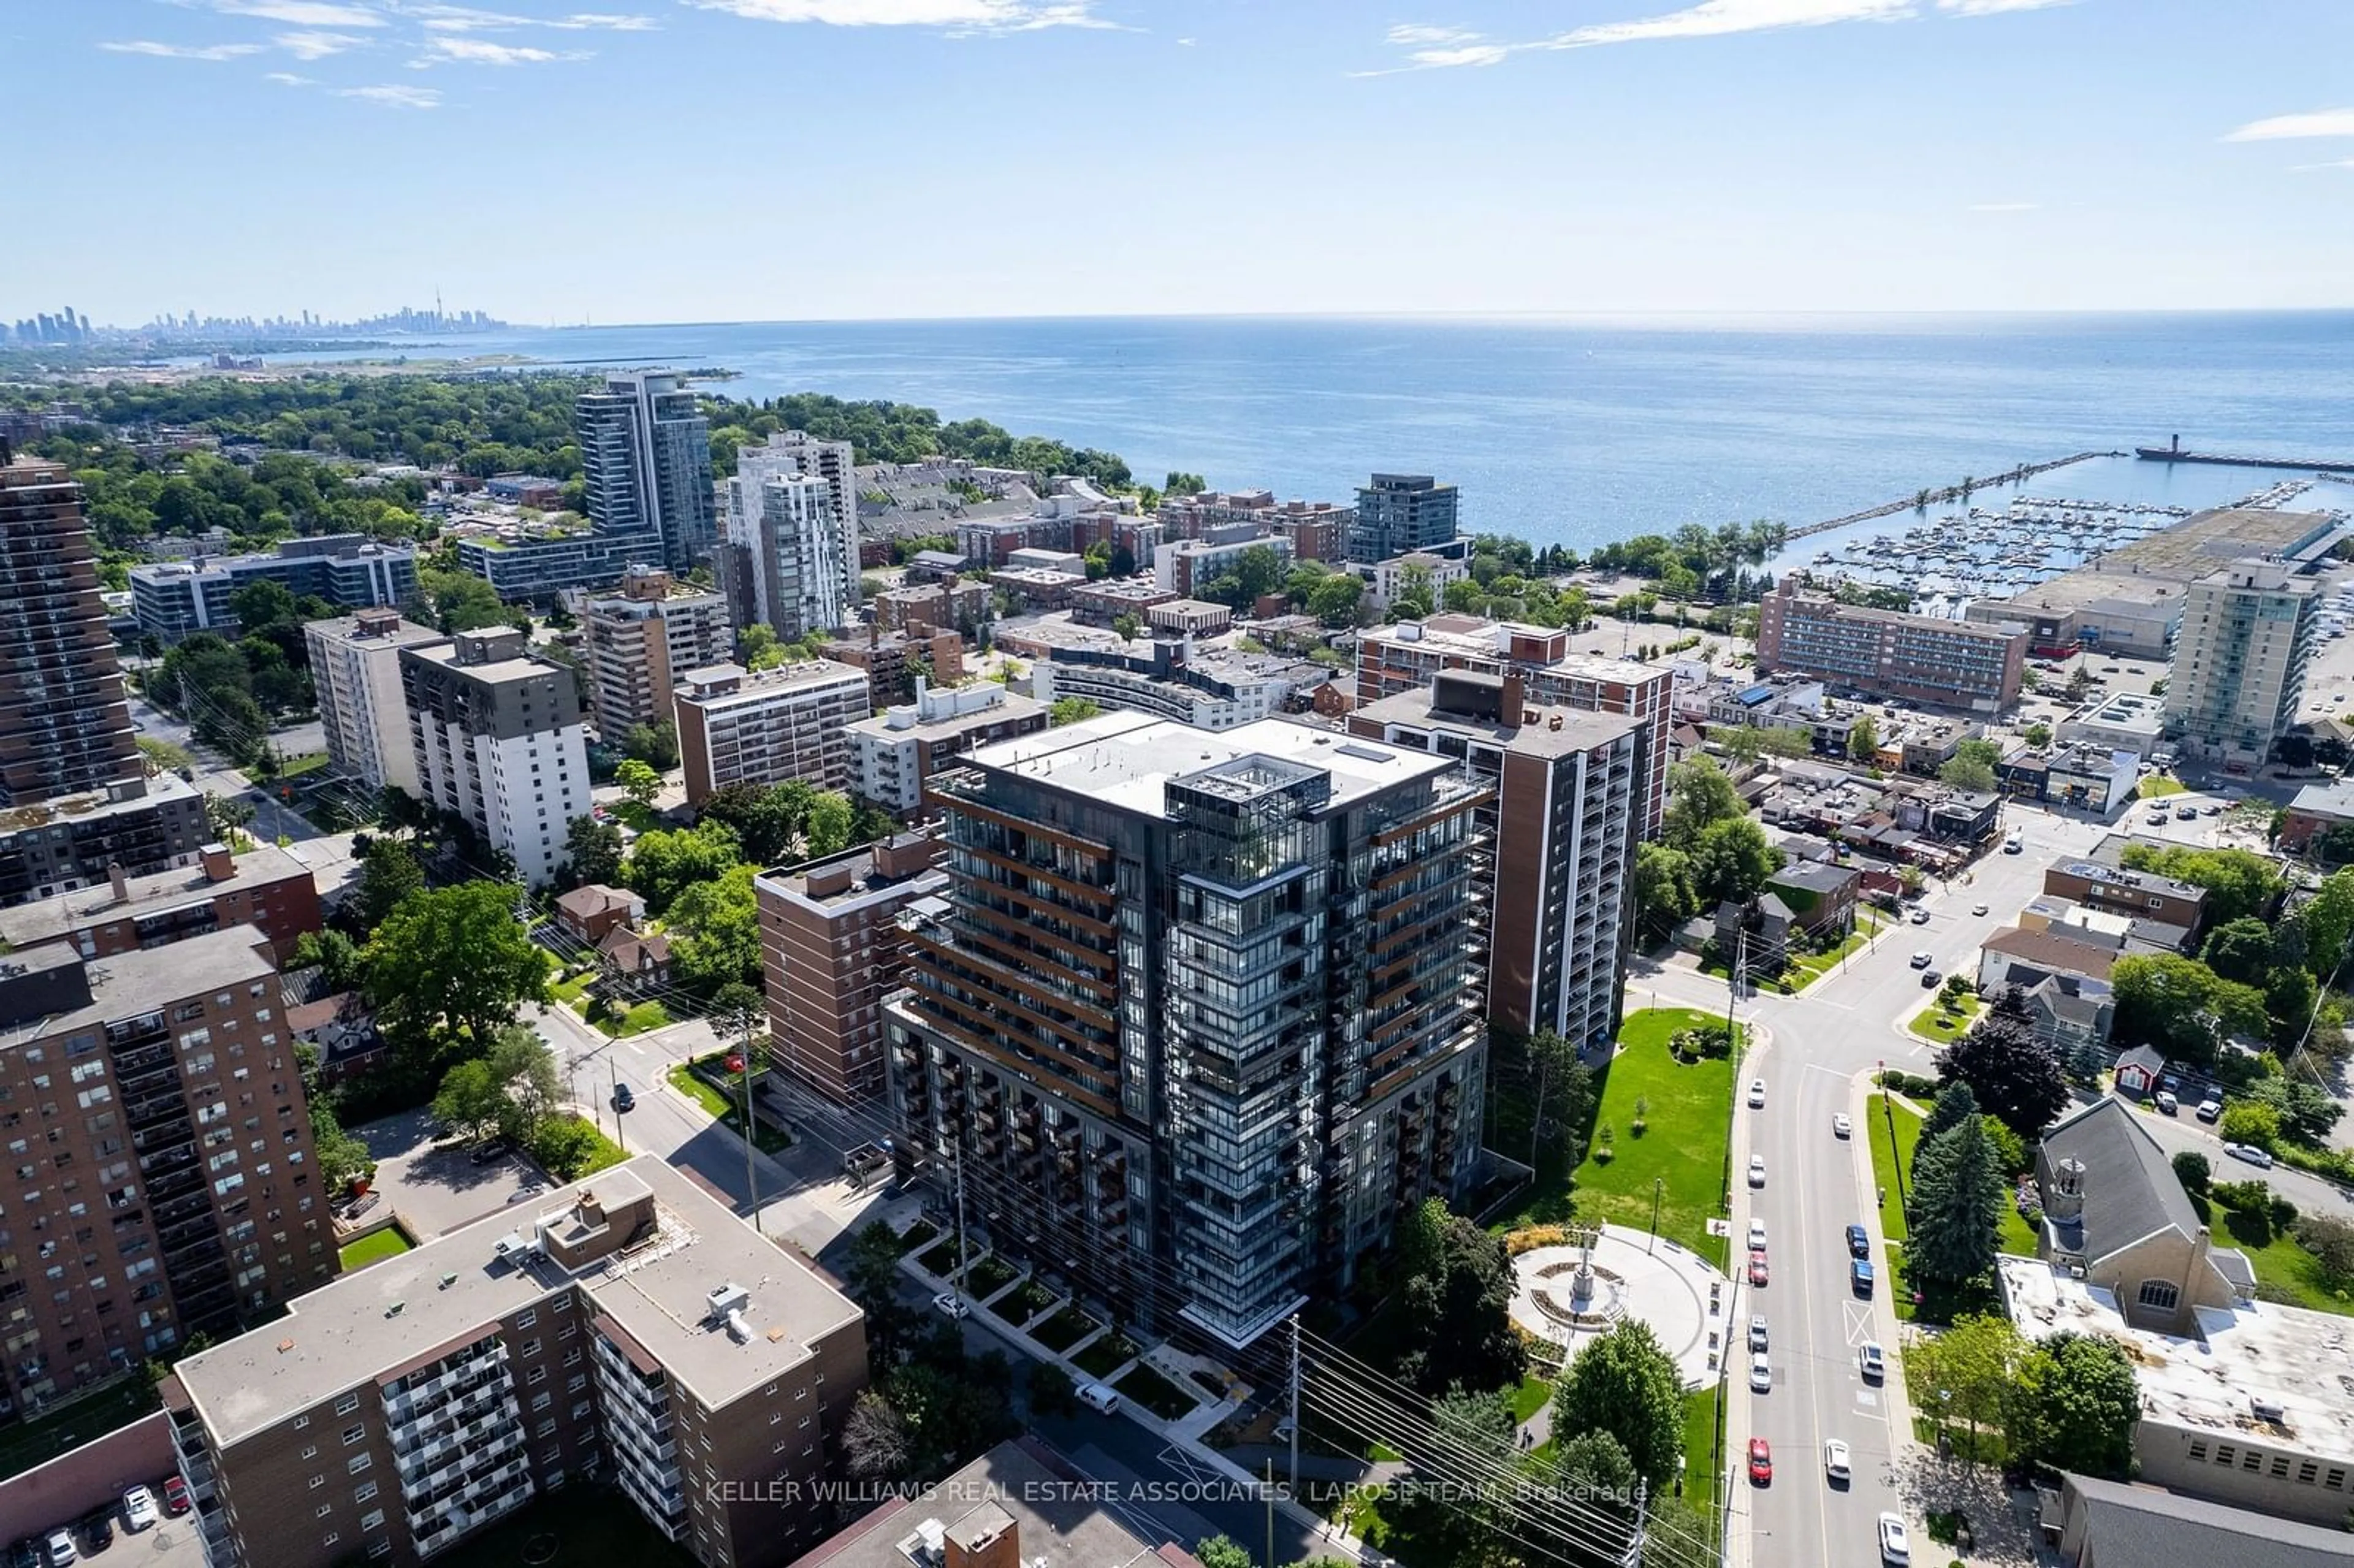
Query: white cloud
point(606, 22)
point(318, 45)
point(2006, 207)
point(2289, 127)
point(182, 51)
point(2333, 163)
point(1438, 48)
point(288, 78)
point(463, 19)
point(391, 96)
point(302, 13)
point(482, 51)
point(966, 16)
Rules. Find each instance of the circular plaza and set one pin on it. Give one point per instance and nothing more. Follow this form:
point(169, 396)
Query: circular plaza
point(1564, 1294)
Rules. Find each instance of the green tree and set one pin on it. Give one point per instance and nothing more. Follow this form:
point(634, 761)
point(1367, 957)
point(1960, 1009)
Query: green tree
point(1625, 1384)
point(1597, 1463)
point(2180, 1005)
point(716, 932)
point(830, 820)
point(448, 967)
point(1222, 1552)
point(1463, 596)
point(1182, 483)
point(1257, 570)
point(1052, 1390)
point(1071, 710)
point(2239, 950)
point(1665, 891)
point(1968, 773)
point(342, 1157)
point(1335, 602)
point(336, 955)
point(870, 1277)
point(2037, 736)
point(593, 849)
point(2190, 1168)
point(766, 821)
point(655, 745)
point(2239, 882)
point(1699, 793)
point(1968, 1373)
point(2248, 1122)
point(388, 873)
point(2327, 922)
point(2308, 1112)
point(163, 756)
point(1954, 1103)
point(1126, 627)
point(1955, 1220)
point(454, 602)
point(1459, 1292)
point(1732, 859)
point(637, 780)
point(757, 646)
point(2075, 1404)
point(2011, 1072)
point(667, 861)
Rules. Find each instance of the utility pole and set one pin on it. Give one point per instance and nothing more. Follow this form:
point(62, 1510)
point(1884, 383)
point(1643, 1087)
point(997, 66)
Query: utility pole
point(1634, 1558)
point(1738, 978)
point(957, 1156)
point(1269, 1489)
point(1889, 1105)
point(1295, 1407)
point(620, 1140)
point(751, 1129)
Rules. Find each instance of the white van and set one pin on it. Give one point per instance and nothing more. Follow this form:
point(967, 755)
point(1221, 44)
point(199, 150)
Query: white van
point(1099, 1398)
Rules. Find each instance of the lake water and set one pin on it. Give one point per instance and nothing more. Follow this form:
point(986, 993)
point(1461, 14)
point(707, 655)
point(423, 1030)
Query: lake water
point(1580, 430)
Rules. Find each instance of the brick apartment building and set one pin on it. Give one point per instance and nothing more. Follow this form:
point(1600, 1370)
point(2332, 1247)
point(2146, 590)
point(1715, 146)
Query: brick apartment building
point(264, 888)
point(626, 1327)
point(830, 951)
point(1888, 653)
point(1392, 660)
point(165, 1183)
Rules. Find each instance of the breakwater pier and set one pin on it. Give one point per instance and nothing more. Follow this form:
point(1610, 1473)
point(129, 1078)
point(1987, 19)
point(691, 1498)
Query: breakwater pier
point(2174, 453)
point(1925, 499)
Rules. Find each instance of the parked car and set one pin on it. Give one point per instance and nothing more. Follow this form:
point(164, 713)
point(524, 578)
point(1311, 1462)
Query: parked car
point(1895, 1547)
point(2186, 813)
point(1757, 1093)
point(951, 1304)
point(1835, 1462)
point(1923, 960)
point(1757, 1270)
point(1756, 1235)
point(2012, 846)
point(1920, 916)
point(1870, 1361)
point(1858, 1276)
point(97, 1533)
point(139, 1510)
point(1840, 1126)
point(1859, 1241)
point(1761, 1373)
point(489, 1149)
point(2260, 1157)
point(60, 1548)
point(1757, 1331)
point(2209, 1109)
point(1931, 980)
point(1978, 908)
point(24, 1553)
point(1757, 1171)
point(1761, 1462)
point(2166, 1103)
point(175, 1495)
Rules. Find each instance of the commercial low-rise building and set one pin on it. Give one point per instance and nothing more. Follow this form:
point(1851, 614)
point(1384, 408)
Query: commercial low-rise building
point(2121, 721)
point(265, 887)
point(2316, 809)
point(627, 1328)
point(2144, 894)
point(832, 949)
point(362, 711)
point(893, 755)
point(762, 728)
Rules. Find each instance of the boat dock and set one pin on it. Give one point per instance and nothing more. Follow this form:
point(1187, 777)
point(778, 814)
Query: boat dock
point(2174, 453)
point(1949, 494)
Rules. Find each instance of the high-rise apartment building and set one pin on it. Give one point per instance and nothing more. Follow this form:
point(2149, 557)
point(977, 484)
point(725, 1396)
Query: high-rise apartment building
point(637, 643)
point(1205, 1007)
point(627, 1328)
point(166, 1180)
point(791, 561)
point(75, 800)
point(2248, 636)
point(1558, 865)
point(742, 727)
point(646, 455)
point(1398, 513)
point(499, 741)
point(832, 949)
point(64, 728)
point(172, 599)
point(356, 671)
point(1408, 656)
point(1887, 653)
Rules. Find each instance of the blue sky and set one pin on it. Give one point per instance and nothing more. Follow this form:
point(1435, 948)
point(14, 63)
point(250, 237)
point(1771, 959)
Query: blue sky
point(697, 160)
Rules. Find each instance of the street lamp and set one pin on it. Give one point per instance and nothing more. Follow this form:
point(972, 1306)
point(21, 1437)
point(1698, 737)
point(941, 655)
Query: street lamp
point(1658, 1183)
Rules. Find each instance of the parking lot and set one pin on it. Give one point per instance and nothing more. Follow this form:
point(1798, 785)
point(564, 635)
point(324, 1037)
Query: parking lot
point(436, 1190)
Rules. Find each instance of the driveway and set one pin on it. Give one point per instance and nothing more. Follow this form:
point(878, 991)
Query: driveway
point(435, 1191)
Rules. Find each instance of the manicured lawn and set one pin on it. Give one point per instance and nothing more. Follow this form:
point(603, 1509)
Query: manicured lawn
point(2156, 786)
point(1026, 1303)
point(1701, 1460)
point(1933, 1023)
point(571, 991)
point(1104, 1357)
point(1683, 1148)
point(37, 1439)
point(989, 1276)
point(2286, 1271)
point(1530, 1397)
point(701, 1080)
point(941, 1260)
point(389, 1241)
point(915, 1236)
point(642, 1017)
point(1807, 968)
point(1155, 1392)
point(1063, 1330)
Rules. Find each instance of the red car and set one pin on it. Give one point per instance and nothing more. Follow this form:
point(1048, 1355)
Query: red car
point(1761, 1462)
point(1756, 1268)
point(175, 1495)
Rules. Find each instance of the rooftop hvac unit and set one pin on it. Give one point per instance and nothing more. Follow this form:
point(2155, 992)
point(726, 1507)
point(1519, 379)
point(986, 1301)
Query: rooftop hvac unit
point(728, 1299)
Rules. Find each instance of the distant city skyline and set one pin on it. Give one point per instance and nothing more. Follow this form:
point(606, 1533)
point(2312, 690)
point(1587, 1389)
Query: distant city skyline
point(1192, 157)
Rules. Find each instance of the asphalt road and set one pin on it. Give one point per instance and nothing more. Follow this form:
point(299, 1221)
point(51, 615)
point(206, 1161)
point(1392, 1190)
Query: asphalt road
point(1817, 1044)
